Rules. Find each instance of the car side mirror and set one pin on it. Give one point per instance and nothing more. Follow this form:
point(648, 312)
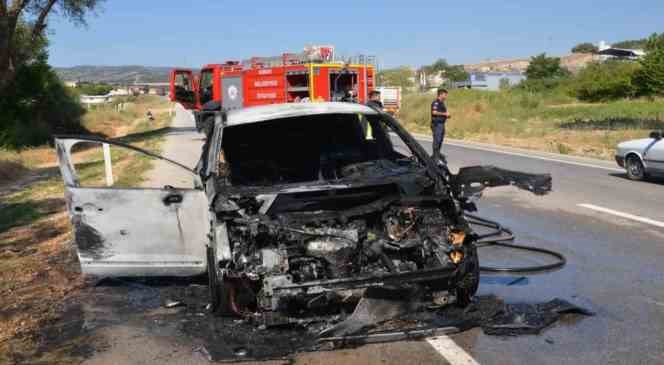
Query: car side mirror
point(657, 135)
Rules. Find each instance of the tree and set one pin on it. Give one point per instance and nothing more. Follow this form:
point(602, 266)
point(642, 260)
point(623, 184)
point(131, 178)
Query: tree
point(38, 106)
point(585, 48)
point(401, 76)
point(22, 29)
point(631, 44)
point(650, 78)
point(654, 42)
point(451, 72)
point(439, 65)
point(504, 84)
point(456, 73)
point(543, 67)
point(88, 88)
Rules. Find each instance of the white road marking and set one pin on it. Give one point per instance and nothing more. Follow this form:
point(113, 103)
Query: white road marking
point(583, 164)
point(452, 352)
point(623, 215)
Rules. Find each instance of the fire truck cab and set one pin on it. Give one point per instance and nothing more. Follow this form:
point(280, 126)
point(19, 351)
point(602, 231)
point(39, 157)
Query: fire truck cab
point(310, 76)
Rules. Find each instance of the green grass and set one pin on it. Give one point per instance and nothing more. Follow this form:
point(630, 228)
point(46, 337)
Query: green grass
point(551, 121)
point(18, 214)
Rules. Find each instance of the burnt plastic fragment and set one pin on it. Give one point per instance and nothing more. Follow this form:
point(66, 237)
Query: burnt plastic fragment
point(526, 319)
point(473, 179)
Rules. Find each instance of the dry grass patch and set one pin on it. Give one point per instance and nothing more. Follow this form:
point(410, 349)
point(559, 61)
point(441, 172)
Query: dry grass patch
point(546, 122)
point(38, 265)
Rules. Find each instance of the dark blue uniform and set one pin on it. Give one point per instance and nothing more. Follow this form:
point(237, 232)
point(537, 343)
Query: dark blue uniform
point(438, 126)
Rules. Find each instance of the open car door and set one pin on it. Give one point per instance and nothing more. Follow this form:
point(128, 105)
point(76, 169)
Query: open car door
point(183, 88)
point(131, 231)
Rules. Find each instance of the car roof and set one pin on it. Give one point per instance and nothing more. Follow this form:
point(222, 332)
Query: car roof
point(289, 110)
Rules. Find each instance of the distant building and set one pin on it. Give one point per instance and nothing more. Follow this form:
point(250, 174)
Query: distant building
point(607, 52)
point(71, 84)
point(89, 100)
point(490, 80)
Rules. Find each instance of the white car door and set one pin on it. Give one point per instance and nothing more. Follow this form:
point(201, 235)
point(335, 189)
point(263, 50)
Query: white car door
point(654, 156)
point(134, 231)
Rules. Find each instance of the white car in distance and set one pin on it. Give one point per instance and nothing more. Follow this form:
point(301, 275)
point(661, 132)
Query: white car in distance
point(642, 158)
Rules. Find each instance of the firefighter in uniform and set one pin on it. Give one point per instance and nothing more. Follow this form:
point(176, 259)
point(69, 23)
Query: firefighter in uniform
point(439, 115)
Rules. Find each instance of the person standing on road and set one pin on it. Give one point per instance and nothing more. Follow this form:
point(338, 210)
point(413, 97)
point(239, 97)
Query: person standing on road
point(374, 100)
point(374, 103)
point(439, 115)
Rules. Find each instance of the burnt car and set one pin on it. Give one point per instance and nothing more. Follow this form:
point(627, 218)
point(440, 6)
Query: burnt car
point(293, 207)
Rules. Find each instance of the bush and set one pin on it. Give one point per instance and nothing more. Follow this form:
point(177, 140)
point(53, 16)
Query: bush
point(35, 106)
point(585, 48)
point(530, 101)
point(541, 85)
point(606, 81)
point(94, 89)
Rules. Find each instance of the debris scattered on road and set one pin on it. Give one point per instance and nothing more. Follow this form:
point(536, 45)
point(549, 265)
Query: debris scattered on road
point(382, 315)
point(516, 281)
point(376, 306)
point(172, 303)
point(526, 319)
point(241, 351)
point(202, 351)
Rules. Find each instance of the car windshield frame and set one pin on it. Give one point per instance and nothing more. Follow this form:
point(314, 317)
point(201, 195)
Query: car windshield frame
point(380, 132)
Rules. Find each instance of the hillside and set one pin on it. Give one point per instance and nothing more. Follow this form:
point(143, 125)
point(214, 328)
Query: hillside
point(114, 74)
point(572, 62)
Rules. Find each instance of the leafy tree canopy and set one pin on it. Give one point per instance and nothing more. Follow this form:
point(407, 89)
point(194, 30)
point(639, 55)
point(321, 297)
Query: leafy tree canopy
point(401, 76)
point(543, 67)
point(22, 29)
point(585, 47)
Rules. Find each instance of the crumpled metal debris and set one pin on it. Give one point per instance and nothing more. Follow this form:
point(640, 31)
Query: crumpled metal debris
point(378, 304)
point(488, 312)
point(526, 319)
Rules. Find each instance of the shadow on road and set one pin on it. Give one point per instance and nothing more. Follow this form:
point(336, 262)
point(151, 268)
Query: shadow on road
point(654, 180)
point(143, 136)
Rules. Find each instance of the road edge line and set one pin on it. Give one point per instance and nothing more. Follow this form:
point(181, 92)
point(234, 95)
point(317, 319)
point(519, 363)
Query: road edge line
point(623, 215)
point(534, 154)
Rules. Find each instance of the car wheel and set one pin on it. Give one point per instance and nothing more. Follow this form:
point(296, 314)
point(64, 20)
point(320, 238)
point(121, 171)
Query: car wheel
point(213, 285)
point(469, 283)
point(635, 169)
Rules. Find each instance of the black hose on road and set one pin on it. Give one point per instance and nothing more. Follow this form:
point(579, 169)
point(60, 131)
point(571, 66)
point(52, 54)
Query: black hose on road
point(503, 237)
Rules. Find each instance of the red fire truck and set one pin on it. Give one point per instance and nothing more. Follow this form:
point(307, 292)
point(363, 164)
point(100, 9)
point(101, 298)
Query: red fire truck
point(310, 76)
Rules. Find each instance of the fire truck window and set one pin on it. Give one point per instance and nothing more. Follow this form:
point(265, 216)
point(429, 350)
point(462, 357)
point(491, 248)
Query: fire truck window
point(183, 89)
point(343, 86)
point(206, 86)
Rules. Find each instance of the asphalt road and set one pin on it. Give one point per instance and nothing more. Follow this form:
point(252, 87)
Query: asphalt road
point(613, 244)
point(613, 265)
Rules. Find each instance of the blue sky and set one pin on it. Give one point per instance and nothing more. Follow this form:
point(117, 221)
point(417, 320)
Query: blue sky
point(406, 32)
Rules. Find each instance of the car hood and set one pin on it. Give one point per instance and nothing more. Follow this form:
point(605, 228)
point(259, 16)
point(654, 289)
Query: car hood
point(635, 144)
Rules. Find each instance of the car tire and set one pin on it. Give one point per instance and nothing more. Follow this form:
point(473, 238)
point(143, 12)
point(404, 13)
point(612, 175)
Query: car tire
point(469, 283)
point(634, 168)
point(219, 290)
